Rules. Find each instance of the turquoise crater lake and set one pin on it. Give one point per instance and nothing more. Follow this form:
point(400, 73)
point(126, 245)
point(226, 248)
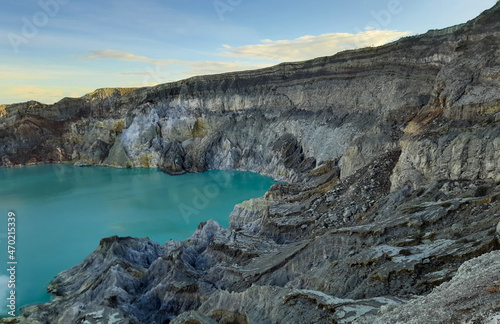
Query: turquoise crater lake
point(63, 211)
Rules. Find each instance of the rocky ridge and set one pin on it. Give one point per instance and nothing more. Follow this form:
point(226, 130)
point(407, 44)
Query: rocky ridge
point(390, 158)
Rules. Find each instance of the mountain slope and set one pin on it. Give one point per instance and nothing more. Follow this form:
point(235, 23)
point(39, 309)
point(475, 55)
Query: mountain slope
point(391, 157)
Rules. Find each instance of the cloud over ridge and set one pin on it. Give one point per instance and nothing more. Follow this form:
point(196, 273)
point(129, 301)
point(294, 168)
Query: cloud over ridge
point(308, 47)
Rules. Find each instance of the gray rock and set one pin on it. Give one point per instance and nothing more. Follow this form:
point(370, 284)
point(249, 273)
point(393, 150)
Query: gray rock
point(401, 142)
point(472, 296)
point(265, 304)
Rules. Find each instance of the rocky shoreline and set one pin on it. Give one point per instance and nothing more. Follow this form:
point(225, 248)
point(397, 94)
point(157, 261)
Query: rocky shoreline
point(389, 212)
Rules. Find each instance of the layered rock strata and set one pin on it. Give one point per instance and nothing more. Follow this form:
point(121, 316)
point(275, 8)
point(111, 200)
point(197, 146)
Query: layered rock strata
point(390, 158)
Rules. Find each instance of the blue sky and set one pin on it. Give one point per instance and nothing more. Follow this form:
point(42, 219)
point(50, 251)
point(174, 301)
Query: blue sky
point(51, 49)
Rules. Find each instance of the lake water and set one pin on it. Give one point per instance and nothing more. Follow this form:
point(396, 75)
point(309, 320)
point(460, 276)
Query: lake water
point(63, 211)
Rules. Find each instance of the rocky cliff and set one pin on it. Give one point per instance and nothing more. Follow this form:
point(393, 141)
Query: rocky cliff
point(391, 163)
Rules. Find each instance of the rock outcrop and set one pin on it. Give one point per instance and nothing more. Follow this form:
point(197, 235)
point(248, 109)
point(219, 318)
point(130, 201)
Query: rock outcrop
point(390, 158)
point(472, 296)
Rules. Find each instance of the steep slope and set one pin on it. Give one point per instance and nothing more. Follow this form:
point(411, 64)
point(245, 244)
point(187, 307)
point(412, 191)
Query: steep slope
point(391, 157)
point(237, 120)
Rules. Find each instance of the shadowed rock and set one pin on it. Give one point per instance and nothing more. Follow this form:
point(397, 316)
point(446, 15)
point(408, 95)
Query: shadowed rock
point(391, 162)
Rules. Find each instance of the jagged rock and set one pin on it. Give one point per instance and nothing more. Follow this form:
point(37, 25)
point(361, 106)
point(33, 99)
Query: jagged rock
point(472, 296)
point(498, 231)
point(265, 304)
point(390, 157)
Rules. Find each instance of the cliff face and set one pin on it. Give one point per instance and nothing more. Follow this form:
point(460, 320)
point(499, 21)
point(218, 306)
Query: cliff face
point(287, 119)
point(392, 162)
point(350, 106)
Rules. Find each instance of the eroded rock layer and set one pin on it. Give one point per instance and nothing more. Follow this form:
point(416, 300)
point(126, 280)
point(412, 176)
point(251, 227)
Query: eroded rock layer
point(391, 162)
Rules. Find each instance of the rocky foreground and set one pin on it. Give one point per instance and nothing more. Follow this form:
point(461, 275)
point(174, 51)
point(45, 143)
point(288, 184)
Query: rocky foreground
point(389, 211)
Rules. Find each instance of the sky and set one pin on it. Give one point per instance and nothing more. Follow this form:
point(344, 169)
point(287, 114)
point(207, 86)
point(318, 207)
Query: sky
point(50, 49)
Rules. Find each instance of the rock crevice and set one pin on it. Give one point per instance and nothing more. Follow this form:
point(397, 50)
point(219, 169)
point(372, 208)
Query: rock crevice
point(391, 168)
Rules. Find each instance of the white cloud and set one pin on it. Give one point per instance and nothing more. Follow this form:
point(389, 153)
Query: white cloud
point(43, 93)
point(210, 67)
point(118, 55)
point(18, 71)
point(266, 54)
point(308, 47)
point(193, 67)
point(157, 71)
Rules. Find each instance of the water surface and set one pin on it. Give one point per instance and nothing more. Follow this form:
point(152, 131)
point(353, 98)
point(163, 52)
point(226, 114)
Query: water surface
point(63, 211)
